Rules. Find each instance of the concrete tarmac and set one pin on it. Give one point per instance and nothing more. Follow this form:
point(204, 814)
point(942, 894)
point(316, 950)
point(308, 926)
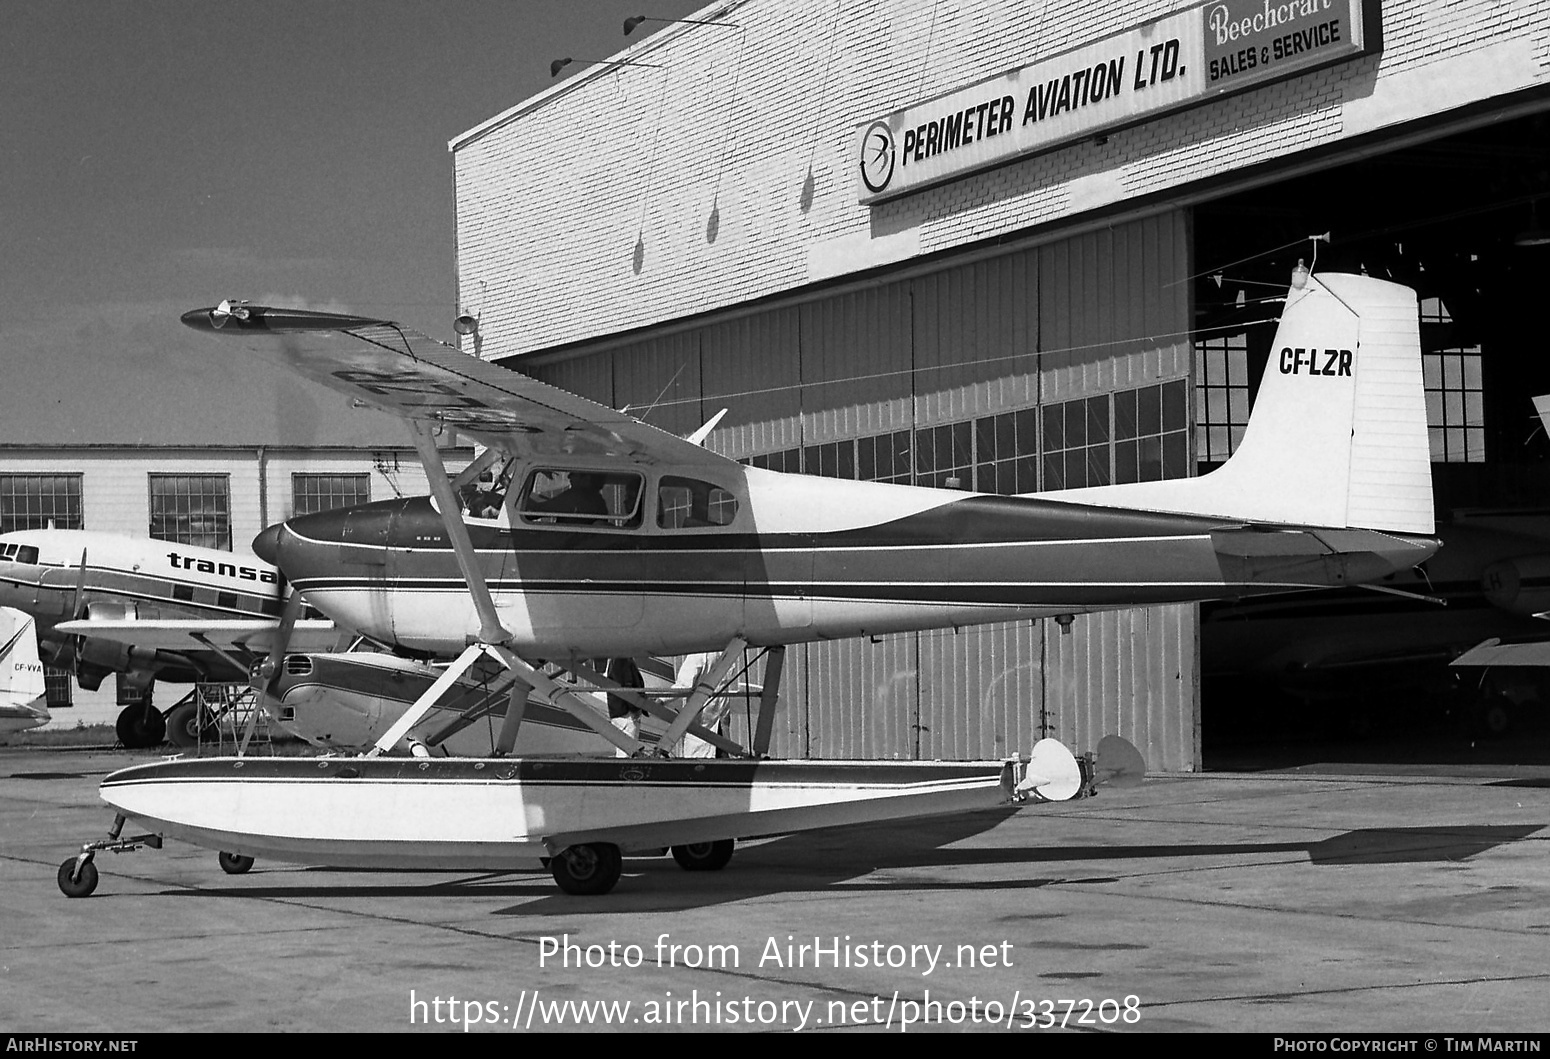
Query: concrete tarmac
point(1298, 901)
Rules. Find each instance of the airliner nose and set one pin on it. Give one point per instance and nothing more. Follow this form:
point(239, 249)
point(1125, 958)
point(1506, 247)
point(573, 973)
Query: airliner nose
point(267, 545)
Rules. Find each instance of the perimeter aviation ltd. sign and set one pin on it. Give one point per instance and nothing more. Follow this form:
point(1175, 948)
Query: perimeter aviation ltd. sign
point(1179, 61)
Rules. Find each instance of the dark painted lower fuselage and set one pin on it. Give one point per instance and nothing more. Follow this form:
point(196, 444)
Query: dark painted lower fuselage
point(387, 570)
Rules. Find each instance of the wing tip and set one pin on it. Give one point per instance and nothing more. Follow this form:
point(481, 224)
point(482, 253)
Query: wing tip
point(242, 317)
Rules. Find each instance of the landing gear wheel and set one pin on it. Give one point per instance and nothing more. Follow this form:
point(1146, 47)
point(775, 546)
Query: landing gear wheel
point(234, 863)
point(73, 885)
point(141, 727)
point(588, 870)
point(1494, 717)
point(184, 727)
point(704, 856)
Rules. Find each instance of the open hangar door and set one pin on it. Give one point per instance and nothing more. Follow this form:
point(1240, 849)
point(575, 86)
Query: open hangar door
point(1465, 220)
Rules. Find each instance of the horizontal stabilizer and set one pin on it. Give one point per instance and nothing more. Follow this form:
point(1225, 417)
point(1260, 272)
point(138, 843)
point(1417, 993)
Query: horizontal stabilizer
point(1117, 763)
point(1053, 773)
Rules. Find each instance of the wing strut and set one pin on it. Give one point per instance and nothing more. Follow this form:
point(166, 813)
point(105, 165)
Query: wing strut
point(491, 630)
point(494, 638)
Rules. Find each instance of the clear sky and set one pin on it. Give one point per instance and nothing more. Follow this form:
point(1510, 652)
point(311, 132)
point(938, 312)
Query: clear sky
point(160, 155)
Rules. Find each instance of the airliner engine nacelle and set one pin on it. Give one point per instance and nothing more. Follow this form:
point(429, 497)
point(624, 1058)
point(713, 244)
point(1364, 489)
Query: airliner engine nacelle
point(1518, 586)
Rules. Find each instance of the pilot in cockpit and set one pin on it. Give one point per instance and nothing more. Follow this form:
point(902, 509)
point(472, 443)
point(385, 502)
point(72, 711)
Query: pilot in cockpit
point(583, 496)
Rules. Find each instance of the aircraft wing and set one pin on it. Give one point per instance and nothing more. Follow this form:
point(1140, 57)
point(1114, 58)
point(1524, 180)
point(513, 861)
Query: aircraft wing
point(1494, 652)
point(410, 375)
point(310, 634)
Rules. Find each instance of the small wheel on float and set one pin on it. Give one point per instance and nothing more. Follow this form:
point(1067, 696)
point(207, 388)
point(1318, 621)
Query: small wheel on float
point(704, 856)
point(589, 869)
point(234, 863)
point(72, 884)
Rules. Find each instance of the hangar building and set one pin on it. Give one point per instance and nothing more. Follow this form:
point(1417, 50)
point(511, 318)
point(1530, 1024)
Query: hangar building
point(1006, 246)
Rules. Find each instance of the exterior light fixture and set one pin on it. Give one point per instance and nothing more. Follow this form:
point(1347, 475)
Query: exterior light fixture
point(559, 64)
point(631, 23)
point(466, 325)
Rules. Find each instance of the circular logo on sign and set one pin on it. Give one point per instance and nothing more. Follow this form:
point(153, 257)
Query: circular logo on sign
point(877, 156)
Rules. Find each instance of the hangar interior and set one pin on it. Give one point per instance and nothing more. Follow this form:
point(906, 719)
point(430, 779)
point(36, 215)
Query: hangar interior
point(1465, 220)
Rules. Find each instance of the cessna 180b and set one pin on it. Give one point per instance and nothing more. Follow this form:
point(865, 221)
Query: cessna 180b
point(615, 538)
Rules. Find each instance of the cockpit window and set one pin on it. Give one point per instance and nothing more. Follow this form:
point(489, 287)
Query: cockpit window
point(688, 503)
point(581, 498)
point(19, 553)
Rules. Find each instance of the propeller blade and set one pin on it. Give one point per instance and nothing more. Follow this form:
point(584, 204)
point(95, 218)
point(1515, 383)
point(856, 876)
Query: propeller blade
point(282, 639)
point(78, 610)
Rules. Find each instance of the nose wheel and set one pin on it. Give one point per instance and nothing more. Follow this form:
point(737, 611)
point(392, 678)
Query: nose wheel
point(78, 876)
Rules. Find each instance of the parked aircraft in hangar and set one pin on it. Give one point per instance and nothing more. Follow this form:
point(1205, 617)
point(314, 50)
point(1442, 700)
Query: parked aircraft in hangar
point(617, 539)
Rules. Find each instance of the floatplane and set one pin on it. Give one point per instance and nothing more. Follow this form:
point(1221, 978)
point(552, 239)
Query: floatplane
point(613, 538)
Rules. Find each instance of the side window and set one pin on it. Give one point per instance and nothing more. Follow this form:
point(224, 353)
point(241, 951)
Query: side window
point(581, 498)
point(688, 503)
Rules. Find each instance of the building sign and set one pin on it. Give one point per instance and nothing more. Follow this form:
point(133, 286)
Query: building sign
point(1181, 60)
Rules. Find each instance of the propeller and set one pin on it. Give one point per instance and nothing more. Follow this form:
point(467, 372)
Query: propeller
point(268, 671)
point(78, 611)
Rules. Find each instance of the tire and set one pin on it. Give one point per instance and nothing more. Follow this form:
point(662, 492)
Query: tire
point(234, 863)
point(77, 886)
point(141, 727)
point(588, 870)
point(704, 856)
point(184, 728)
point(1494, 717)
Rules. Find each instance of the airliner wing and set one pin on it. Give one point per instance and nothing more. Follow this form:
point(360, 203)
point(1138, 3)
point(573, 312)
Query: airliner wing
point(416, 377)
point(310, 634)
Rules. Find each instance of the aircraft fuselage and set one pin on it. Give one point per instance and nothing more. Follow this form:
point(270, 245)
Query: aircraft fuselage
point(802, 558)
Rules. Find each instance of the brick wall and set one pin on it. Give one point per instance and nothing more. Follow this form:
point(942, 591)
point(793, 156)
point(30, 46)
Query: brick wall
point(628, 196)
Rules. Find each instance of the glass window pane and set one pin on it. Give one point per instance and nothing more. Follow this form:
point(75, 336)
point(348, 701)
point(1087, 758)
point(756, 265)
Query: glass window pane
point(1173, 405)
point(1027, 474)
point(1054, 471)
point(1054, 427)
point(1149, 459)
point(1097, 419)
point(1149, 411)
point(1238, 367)
point(1472, 379)
point(1098, 465)
point(1175, 455)
point(1076, 423)
point(191, 509)
point(1125, 414)
point(1076, 468)
point(1125, 469)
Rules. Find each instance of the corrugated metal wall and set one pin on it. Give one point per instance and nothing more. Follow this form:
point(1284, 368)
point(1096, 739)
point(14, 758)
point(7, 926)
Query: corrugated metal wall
point(1072, 318)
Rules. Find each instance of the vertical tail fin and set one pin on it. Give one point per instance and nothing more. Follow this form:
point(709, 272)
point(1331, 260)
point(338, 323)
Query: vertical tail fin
point(1338, 434)
point(23, 693)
